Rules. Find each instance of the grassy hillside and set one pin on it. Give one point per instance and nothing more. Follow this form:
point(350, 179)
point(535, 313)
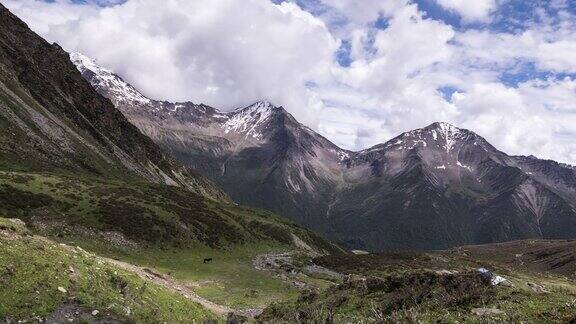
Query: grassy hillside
point(445, 287)
point(44, 280)
point(165, 228)
point(139, 213)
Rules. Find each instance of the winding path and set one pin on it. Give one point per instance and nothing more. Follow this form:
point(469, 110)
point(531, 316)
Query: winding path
point(171, 284)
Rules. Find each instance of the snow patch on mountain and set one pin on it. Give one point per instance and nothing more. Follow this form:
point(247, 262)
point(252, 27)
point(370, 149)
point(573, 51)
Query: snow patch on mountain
point(177, 107)
point(343, 155)
point(450, 134)
point(464, 166)
point(108, 80)
point(416, 142)
point(247, 120)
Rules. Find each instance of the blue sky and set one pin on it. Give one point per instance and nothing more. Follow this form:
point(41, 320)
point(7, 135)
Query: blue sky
point(358, 71)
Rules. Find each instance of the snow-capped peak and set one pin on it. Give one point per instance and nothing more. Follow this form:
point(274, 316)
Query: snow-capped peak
point(446, 126)
point(439, 134)
point(83, 63)
point(449, 132)
point(246, 120)
point(258, 105)
point(120, 90)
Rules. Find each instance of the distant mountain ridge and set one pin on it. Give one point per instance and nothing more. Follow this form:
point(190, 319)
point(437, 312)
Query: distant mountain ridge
point(430, 188)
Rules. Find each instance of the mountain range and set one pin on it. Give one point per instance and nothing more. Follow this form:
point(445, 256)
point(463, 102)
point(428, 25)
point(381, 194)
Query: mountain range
point(117, 216)
point(431, 188)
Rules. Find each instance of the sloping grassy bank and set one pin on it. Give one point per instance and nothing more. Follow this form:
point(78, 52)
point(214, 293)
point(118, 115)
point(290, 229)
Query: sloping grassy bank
point(41, 279)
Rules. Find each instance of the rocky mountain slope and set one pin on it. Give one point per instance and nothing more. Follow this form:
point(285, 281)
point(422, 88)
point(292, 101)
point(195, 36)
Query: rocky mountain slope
point(51, 119)
point(259, 154)
point(441, 186)
point(431, 188)
point(72, 162)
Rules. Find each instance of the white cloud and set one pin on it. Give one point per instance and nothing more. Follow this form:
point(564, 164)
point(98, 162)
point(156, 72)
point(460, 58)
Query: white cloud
point(205, 51)
point(470, 10)
point(392, 83)
point(201, 50)
point(43, 16)
point(549, 50)
point(530, 119)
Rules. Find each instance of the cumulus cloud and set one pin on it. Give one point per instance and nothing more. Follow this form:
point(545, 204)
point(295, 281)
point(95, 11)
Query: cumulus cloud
point(475, 10)
point(517, 88)
point(200, 50)
point(43, 16)
point(392, 77)
point(398, 74)
point(549, 51)
point(511, 117)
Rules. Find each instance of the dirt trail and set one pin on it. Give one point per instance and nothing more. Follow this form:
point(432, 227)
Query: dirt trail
point(171, 284)
point(162, 280)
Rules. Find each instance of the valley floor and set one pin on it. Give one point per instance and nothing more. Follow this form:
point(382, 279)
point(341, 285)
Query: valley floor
point(147, 246)
point(53, 280)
